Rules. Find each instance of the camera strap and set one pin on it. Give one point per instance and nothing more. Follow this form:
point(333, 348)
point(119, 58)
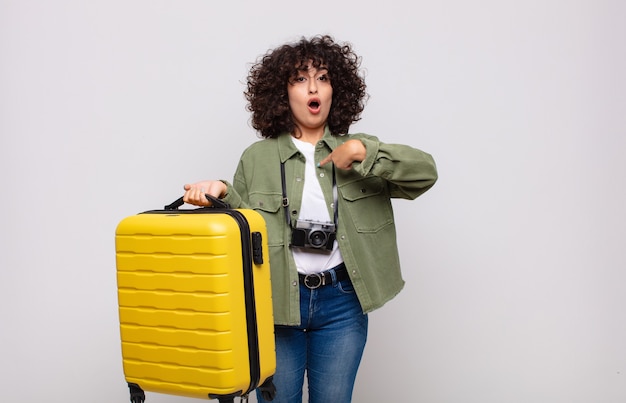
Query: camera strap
point(286, 199)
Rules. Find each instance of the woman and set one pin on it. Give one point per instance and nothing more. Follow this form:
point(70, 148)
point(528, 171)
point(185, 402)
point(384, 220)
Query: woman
point(326, 198)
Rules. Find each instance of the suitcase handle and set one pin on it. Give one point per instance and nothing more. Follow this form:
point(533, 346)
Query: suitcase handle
point(215, 203)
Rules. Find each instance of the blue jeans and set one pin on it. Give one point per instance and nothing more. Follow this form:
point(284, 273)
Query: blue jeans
point(328, 345)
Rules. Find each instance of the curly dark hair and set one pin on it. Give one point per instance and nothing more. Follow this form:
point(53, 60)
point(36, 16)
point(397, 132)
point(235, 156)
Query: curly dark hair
point(269, 76)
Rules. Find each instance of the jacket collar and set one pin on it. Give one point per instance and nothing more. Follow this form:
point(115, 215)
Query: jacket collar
point(286, 148)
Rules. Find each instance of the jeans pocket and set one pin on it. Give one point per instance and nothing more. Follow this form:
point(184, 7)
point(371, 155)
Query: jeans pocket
point(345, 286)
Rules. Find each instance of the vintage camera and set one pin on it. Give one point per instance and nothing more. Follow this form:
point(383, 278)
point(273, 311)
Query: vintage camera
point(312, 234)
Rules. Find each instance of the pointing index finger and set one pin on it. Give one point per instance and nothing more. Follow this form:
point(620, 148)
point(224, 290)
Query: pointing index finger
point(325, 161)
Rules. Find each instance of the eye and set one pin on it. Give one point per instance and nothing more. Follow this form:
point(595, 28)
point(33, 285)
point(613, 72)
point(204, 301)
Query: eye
point(323, 77)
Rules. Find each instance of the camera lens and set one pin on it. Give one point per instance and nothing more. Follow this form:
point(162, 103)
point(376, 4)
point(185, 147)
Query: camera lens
point(317, 239)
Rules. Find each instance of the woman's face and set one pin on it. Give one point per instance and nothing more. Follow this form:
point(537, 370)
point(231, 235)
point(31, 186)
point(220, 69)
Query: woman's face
point(310, 96)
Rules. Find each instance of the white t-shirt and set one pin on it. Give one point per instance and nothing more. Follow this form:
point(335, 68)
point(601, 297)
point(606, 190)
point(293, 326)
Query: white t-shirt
point(313, 208)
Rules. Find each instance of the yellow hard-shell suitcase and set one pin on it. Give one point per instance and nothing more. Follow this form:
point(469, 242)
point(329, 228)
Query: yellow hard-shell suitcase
point(195, 302)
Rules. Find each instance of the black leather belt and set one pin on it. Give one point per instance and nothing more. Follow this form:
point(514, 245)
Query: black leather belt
point(316, 280)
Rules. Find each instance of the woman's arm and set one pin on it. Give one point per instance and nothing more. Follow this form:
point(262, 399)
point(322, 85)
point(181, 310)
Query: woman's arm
point(409, 171)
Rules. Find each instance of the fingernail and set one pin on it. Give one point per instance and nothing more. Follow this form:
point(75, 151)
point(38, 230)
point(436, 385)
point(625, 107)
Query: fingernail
point(319, 164)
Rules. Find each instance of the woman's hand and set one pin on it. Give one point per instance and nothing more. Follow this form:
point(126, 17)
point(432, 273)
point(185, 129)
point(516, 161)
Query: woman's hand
point(195, 193)
point(344, 155)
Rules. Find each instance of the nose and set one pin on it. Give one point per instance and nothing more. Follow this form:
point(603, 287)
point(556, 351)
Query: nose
point(312, 87)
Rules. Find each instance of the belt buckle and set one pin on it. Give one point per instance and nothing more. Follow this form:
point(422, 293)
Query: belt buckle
point(313, 281)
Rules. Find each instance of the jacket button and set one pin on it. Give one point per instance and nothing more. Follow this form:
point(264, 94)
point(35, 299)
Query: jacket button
point(295, 283)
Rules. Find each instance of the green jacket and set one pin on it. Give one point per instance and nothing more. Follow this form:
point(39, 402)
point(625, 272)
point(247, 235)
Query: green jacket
point(366, 231)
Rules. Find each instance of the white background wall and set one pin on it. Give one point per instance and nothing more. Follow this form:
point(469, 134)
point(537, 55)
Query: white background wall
point(514, 261)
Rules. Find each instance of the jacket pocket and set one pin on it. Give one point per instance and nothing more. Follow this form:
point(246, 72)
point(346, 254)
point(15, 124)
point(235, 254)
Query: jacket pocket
point(270, 206)
point(368, 203)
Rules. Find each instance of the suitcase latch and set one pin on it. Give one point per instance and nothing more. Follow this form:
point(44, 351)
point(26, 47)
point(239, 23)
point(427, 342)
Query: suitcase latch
point(257, 248)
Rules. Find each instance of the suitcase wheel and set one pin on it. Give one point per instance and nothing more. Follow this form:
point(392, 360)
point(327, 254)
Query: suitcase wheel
point(136, 393)
point(268, 389)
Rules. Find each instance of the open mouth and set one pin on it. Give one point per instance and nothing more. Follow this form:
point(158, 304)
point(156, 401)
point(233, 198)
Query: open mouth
point(314, 105)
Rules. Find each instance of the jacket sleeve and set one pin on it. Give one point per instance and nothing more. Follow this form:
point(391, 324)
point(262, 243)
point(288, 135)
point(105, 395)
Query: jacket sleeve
point(409, 171)
point(236, 192)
